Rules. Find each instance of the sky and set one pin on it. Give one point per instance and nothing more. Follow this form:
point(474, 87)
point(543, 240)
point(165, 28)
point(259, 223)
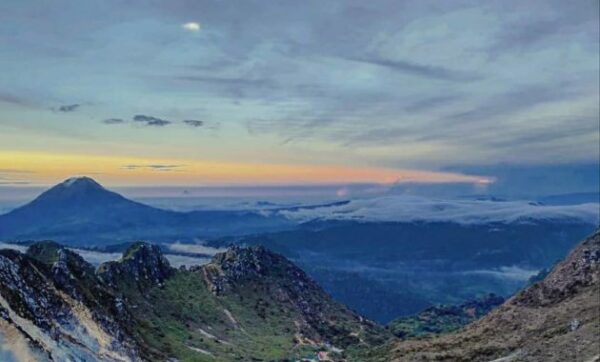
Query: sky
point(286, 92)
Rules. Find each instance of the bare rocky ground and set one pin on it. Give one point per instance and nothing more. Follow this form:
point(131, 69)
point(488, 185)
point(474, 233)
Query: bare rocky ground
point(557, 319)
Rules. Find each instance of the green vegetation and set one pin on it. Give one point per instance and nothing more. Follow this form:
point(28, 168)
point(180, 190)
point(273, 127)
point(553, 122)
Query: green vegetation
point(46, 252)
point(248, 304)
point(444, 318)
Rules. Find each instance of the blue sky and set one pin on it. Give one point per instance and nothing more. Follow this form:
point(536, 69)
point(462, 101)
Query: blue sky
point(426, 85)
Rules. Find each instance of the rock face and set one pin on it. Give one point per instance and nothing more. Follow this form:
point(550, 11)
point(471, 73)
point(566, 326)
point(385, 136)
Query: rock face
point(575, 274)
point(319, 318)
point(556, 319)
point(51, 312)
point(246, 304)
point(142, 263)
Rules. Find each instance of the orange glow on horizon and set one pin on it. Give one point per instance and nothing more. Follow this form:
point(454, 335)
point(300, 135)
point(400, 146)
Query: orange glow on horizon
point(44, 168)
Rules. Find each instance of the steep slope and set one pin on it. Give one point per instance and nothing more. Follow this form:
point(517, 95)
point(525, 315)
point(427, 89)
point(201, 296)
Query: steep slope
point(81, 211)
point(407, 267)
point(556, 319)
point(55, 308)
point(247, 304)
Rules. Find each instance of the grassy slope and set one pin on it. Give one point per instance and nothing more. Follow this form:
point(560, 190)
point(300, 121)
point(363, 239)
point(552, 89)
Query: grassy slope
point(255, 319)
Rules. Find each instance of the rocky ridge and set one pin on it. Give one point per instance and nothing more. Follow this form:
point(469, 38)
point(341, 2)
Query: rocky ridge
point(245, 303)
point(50, 309)
point(556, 319)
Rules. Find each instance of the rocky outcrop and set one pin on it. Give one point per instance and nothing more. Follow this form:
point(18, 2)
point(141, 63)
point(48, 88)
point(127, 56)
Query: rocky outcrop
point(321, 319)
point(580, 270)
point(238, 264)
point(142, 264)
point(555, 319)
point(54, 308)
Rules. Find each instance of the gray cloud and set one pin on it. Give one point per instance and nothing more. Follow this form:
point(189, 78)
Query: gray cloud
point(422, 70)
point(68, 108)
point(14, 177)
point(485, 120)
point(151, 121)
point(516, 100)
point(233, 87)
point(557, 19)
point(156, 167)
point(113, 121)
point(430, 103)
point(193, 123)
point(17, 100)
point(226, 81)
point(380, 74)
point(9, 183)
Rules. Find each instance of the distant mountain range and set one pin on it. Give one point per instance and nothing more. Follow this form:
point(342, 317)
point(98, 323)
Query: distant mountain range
point(387, 269)
point(404, 253)
point(81, 211)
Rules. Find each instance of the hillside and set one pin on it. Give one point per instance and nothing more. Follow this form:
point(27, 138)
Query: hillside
point(556, 319)
point(441, 319)
point(247, 304)
point(407, 267)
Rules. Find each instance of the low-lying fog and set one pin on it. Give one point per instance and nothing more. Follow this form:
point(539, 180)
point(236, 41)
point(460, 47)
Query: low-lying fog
point(177, 259)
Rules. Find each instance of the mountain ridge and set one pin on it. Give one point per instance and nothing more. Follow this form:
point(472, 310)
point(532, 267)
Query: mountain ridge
point(57, 306)
point(555, 319)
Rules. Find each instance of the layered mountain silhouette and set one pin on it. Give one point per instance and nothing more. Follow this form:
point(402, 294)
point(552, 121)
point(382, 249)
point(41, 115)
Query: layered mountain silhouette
point(79, 210)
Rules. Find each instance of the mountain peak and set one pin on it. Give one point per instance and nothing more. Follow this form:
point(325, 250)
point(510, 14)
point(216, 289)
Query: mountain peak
point(83, 191)
point(80, 181)
point(143, 262)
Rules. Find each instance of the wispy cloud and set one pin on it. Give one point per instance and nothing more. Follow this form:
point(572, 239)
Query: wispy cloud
point(17, 100)
point(68, 108)
point(155, 167)
point(421, 70)
point(431, 103)
point(411, 208)
point(151, 121)
point(14, 183)
point(15, 177)
point(159, 122)
point(392, 83)
point(194, 249)
point(113, 121)
point(193, 123)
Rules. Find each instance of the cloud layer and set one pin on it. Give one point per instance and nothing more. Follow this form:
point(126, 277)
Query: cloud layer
point(390, 83)
point(410, 209)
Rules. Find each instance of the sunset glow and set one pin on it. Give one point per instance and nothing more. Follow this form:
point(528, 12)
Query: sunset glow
point(42, 168)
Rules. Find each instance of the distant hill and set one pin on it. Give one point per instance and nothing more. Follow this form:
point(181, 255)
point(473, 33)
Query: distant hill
point(81, 211)
point(441, 319)
point(386, 270)
point(246, 305)
point(556, 319)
